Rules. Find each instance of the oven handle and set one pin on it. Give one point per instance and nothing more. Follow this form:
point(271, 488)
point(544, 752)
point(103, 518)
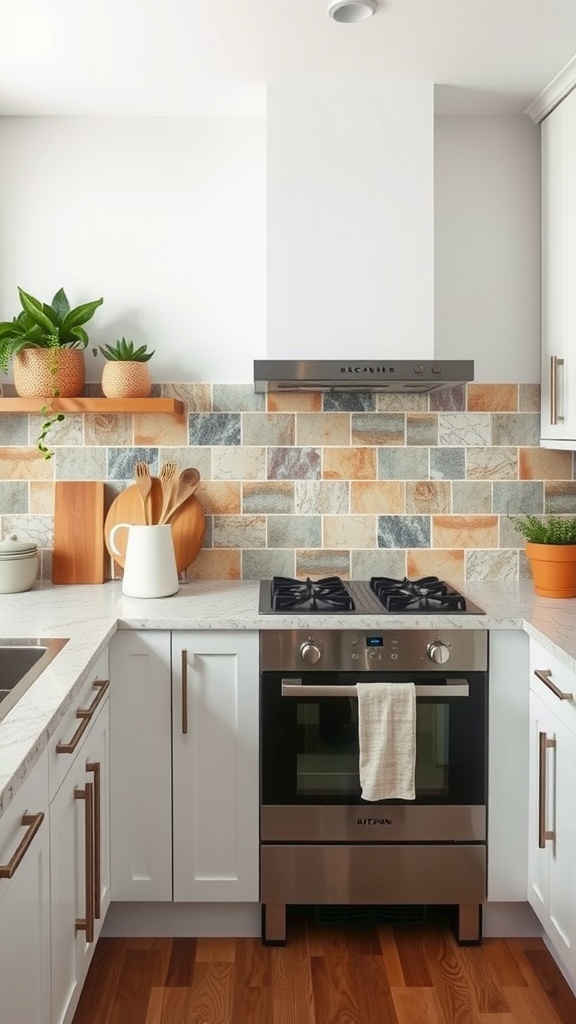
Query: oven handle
point(295, 688)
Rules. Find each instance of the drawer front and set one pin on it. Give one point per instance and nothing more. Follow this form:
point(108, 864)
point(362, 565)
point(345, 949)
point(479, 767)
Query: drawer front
point(554, 682)
point(67, 739)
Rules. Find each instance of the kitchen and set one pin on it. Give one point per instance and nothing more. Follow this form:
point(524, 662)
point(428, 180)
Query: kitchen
point(372, 505)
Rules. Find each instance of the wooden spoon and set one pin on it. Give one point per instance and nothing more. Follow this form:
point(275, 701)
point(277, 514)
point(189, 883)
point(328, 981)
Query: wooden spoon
point(144, 485)
point(187, 484)
point(169, 484)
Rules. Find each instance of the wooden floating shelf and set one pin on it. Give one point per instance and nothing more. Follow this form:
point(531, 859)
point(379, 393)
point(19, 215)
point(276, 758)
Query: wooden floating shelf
point(102, 405)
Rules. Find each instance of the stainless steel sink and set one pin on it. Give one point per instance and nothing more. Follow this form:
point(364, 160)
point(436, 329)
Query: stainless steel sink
point(21, 663)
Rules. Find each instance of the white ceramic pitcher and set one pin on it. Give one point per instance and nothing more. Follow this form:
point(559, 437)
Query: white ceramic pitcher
point(150, 564)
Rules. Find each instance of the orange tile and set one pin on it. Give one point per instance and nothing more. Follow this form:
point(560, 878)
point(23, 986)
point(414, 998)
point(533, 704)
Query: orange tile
point(492, 398)
point(349, 464)
point(220, 497)
point(380, 496)
point(544, 464)
point(25, 464)
point(41, 498)
point(465, 531)
point(428, 496)
point(448, 565)
point(294, 401)
point(329, 428)
point(215, 564)
point(161, 429)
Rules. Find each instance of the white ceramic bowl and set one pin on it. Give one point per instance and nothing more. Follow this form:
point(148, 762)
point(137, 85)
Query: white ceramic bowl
point(18, 565)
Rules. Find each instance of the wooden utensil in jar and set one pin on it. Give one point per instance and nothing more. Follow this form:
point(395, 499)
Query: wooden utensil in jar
point(169, 484)
point(144, 485)
point(187, 484)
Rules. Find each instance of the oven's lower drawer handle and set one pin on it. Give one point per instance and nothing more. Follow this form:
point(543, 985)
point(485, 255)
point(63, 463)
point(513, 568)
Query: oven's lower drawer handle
point(295, 688)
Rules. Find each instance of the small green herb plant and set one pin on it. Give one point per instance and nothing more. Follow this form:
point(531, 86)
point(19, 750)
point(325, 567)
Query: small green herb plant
point(45, 325)
point(124, 351)
point(552, 529)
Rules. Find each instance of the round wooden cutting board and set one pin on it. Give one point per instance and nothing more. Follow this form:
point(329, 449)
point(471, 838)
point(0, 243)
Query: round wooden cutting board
point(188, 523)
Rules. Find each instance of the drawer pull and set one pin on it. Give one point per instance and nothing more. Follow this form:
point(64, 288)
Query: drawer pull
point(544, 744)
point(85, 714)
point(32, 822)
point(94, 768)
point(545, 676)
point(86, 924)
point(184, 692)
point(555, 418)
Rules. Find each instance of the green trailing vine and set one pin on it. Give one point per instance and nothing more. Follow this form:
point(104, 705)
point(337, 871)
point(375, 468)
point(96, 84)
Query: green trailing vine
point(51, 417)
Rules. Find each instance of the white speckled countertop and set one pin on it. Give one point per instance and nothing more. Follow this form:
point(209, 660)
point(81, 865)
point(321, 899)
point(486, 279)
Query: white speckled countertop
point(88, 617)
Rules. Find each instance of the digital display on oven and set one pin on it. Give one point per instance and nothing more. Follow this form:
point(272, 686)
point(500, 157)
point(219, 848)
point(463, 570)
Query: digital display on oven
point(374, 641)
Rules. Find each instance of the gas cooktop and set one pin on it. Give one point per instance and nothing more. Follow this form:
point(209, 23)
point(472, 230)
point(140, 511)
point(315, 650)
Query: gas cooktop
point(331, 595)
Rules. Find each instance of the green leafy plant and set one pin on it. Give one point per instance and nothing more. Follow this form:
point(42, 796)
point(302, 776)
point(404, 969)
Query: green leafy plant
point(124, 351)
point(45, 325)
point(551, 529)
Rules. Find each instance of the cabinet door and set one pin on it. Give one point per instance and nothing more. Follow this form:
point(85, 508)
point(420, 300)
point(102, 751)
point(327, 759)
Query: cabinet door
point(140, 765)
point(215, 765)
point(80, 867)
point(25, 905)
point(558, 372)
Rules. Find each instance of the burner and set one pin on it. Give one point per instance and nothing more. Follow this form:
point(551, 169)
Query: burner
point(426, 594)
point(329, 594)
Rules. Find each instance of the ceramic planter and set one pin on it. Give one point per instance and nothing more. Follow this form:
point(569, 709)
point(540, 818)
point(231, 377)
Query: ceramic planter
point(40, 372)
point(553, 568)
point(125, 379)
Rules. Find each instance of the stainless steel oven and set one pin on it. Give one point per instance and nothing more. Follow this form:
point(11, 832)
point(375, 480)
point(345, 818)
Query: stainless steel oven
point(321, 843)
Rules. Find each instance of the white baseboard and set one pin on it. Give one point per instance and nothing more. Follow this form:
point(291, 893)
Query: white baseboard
point(177, 920)
point(509, 920)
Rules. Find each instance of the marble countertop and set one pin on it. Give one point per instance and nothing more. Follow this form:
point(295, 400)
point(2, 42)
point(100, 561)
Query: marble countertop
point(89, 615)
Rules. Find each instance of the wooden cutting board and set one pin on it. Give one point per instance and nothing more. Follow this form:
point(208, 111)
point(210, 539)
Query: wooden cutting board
point(188, 523)
point(78, 554)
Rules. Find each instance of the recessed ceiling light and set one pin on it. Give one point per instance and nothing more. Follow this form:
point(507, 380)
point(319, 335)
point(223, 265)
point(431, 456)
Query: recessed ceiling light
point(348, 11)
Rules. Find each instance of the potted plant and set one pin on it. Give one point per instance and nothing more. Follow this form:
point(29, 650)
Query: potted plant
point(551, 552)
point(125, 373)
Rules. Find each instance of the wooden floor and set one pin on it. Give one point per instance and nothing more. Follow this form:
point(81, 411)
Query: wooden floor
point(326, 974)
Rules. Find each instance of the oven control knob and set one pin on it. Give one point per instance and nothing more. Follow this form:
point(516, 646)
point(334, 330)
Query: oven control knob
point(438, 652)
point(310, 652)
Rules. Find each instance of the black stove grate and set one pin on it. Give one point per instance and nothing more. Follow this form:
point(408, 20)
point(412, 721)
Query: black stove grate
point(328, 594)
point(427, 594)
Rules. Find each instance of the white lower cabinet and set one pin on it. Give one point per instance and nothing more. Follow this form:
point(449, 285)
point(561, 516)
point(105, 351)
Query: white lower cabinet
point(552, 819)
point(25, 904)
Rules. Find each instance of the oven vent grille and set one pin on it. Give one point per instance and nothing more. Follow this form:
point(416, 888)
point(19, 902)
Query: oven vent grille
point(367, 915)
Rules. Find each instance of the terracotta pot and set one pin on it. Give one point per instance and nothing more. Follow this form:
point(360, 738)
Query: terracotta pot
point(125, 379)
point(553, 568)
point(39, 372)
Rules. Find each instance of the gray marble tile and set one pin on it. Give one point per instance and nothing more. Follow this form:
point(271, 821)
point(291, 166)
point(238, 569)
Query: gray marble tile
point(268, 428)
point(448, 399)
point(403, 464)
point(347, 401)
point(237, 398)
point(239, 463)
point(401, 403)
point(403, 531)
point(492, 463)
point(14, 430)
point(13, 497)
point(214, 428)
point(199, 458)
point(38, 529)
point(516, 428)
point(508, 535)
point(447, 463)
point(378, 428)
point(80, 464)
point(122, 462)
point(520, 496)
point(322, 496)
point(491, 565)
point(471, 497)
point(463, 428)
point(239, 531)
point(294, 531)
point(294, 464)
point(198, 397)
point(263, 564)
point(268, 496)
point(380, 562)
point(69, 431)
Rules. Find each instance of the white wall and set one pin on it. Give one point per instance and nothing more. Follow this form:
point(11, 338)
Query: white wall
point(164, 217)
point(487, 245)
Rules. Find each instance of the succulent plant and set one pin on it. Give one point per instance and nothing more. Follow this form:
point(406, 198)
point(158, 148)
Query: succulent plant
point(124, 351)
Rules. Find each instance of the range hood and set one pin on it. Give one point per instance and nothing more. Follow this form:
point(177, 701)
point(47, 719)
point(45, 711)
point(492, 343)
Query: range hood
point(338, 375)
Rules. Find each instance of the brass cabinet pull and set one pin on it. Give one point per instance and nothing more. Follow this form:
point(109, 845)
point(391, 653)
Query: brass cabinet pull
point(545, 676)
point(86, 924)
point(85, 714)
point(555, 362)
point(544, 744)
point(184, 692)
point(94, 767)
point(32, 822)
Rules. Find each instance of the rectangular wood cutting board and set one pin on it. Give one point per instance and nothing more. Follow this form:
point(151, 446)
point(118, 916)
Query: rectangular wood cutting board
point(79, 554)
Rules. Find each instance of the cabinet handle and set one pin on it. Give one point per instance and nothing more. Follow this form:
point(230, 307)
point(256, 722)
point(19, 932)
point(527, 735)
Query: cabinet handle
point(94, 767)
point(85, 714)
point(545, 676)
point(544, 744)
point(184, 692)
point(32, 822)
point(555, 362)
point(86, 924)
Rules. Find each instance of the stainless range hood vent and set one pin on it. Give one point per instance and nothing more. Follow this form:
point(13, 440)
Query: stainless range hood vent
point(338, 375)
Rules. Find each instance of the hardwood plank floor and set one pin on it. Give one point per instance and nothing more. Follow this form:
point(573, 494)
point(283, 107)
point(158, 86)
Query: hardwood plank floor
point(326, 974)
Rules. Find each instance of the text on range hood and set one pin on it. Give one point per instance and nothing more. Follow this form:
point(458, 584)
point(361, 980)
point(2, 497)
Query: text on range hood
point(337, 375)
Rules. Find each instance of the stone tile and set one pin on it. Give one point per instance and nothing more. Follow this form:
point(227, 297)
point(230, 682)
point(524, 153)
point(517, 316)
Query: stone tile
point(237, 398)
point(447, 463)
point(349, 463)
point(264, 428)
point(524, 570)
point(492, 565)
point(448, 399)
point(350, 531)
point(198, 397)
point(447, 565)
point(239, 531)
point(220, 497)
point(215, 564)
point(294, 401)
point(492, 398)
point(520, 428)
point(529, 398)
point(544, 464)
point(465, 531)
point(109, 429)
point(349, 401)
point(319, 564)
point(492, 463)
point(294, 464)
point(41, 498)
point(70, 431)
point(14, 429)
point(560, 497)
point(25, 464)
point(464, 429)
point(422, 429)
point(257, 565)
point(122, 462)
point(508, 535)
point(403, 531)
point(403, 464)
point(269, 496)
point(428, 497)
point(46, 564)
point(214, 428)
point(13, 497)
point(378, 562)
point(190, 458)
point(402, 402)
point(80, 464)
point(321, 496)
point(378, 496)
point(294, 532)
point(330, 428)
point(378, 428)
point(469, 496)
point(37, 529)
point(239, 463)
point(161, 428)
point(518, 497)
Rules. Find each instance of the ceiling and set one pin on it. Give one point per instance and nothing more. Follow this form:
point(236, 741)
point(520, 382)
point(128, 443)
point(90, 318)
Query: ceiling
point(214, 56)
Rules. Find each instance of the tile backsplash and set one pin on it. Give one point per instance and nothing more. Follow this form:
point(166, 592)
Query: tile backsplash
point(310, 484)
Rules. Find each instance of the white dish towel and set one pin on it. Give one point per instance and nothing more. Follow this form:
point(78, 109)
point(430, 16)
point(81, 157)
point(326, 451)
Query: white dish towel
point(387, 740)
